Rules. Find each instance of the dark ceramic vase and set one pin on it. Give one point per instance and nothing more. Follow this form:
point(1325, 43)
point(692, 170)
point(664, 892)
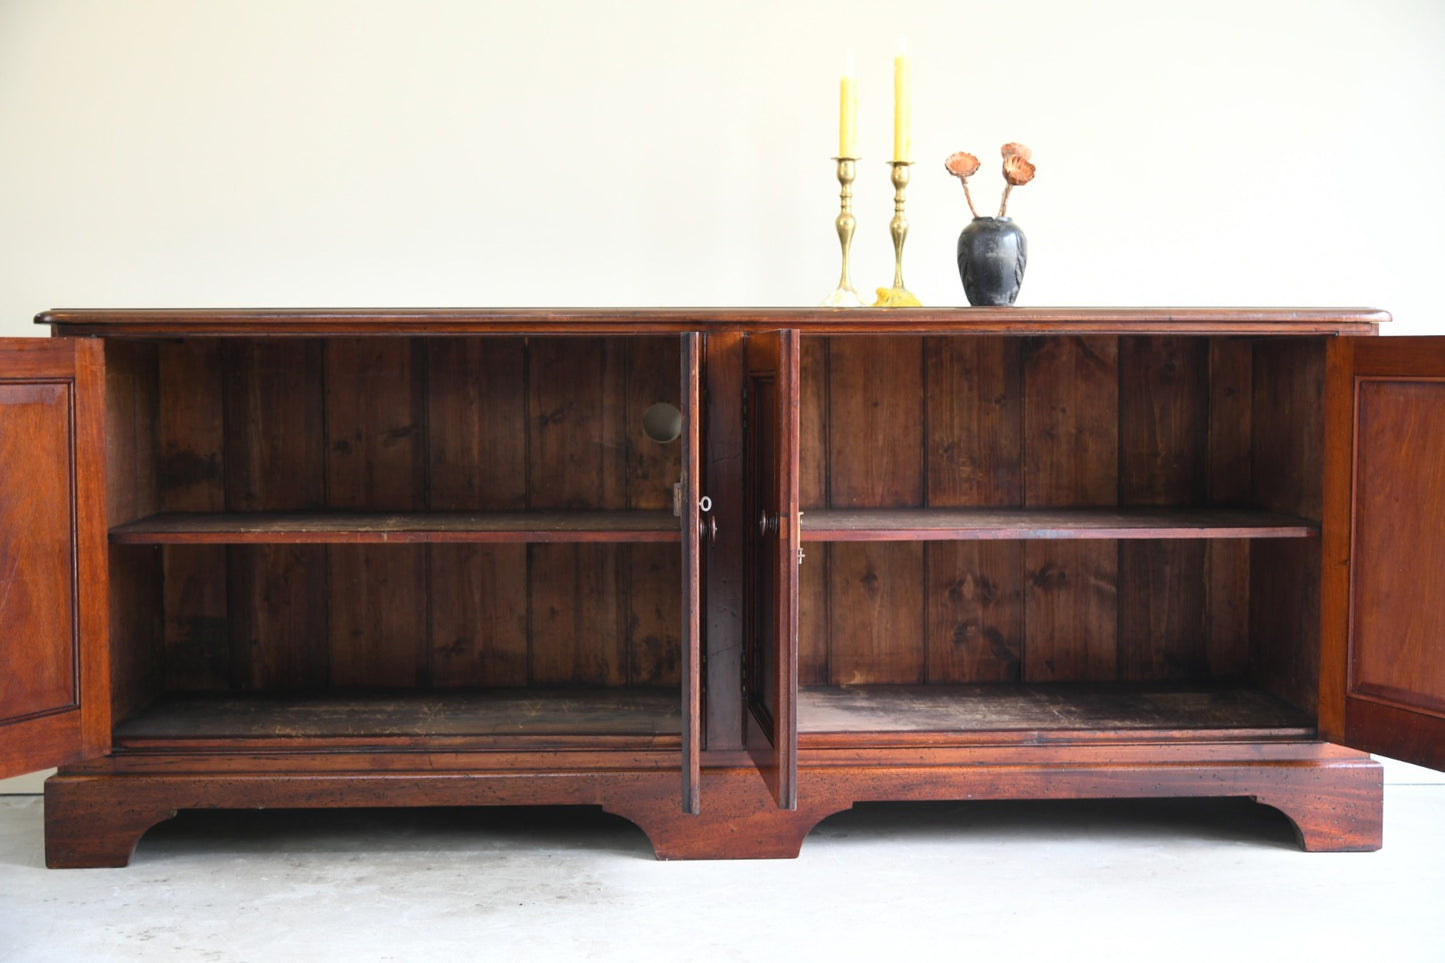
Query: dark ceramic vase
point(992, 254)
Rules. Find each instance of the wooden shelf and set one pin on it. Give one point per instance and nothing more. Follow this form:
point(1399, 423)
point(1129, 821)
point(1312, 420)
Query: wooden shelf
point(961, 524)
point(421, 719)
point(857, 716)
point(409, 527)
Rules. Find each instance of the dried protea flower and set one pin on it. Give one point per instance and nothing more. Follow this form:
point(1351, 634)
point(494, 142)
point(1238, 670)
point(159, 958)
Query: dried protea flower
point(963, 166)
point(1012, 149)
point(1017, 171)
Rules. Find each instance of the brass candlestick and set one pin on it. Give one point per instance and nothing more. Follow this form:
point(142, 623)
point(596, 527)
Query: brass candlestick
point(844, 296)
point(898, 295)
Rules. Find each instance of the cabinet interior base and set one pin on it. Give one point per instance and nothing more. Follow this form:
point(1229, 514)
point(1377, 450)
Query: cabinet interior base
point(615, 718)
point(890, 714)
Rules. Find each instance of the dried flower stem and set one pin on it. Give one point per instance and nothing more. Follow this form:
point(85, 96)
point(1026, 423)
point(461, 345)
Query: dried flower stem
point(969, 197)
point(1003, 205)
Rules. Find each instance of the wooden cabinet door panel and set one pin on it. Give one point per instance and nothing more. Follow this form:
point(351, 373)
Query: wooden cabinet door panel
point(771, 514)
point(692, 520)
point(1384, 653)
point(54, 703)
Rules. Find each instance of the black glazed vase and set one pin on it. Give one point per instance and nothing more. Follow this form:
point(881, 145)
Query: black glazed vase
point(992, 253)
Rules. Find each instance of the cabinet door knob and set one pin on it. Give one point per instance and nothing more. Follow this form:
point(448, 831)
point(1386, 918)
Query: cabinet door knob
point(767, 523)
point(707, 528)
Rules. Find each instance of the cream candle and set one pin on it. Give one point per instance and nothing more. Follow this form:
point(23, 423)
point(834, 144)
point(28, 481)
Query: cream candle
point(848, 110)
point(902, 135)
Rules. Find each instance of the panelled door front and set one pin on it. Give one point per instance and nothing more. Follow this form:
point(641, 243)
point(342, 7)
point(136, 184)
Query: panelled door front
point(770, 667)
point(1383, 673)
point(690, 511)
point(54, 692)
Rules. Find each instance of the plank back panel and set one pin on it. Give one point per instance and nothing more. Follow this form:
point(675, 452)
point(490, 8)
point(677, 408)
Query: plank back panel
point(274, 395)
point(654, 572)
point(813, 459)
point(1163, 434)
point(1071, 417)
point(1288, 476)
point(192, 479)
point(375, 461)
point(1231, 473)
point(974, 595)
point(874, 594)
point(476, 459)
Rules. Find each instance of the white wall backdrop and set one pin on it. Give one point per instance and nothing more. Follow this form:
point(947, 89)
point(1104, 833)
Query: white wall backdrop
point(581, 152)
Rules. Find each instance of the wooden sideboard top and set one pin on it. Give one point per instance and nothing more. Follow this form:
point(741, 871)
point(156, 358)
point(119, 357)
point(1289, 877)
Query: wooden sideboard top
point(171, 322)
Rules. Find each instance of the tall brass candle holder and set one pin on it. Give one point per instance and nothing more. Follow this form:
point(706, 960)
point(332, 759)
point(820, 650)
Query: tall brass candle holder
point(844, 296)
point(898, 296)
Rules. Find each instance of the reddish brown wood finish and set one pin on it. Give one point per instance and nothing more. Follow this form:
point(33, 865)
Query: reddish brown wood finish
point(1393, 661)
point(771, 563)
point(54, 654)
point(443, 321)
point(991, 496)
point(95, 816)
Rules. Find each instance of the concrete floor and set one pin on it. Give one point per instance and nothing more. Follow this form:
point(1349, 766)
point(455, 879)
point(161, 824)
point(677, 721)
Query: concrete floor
point(1178, 880)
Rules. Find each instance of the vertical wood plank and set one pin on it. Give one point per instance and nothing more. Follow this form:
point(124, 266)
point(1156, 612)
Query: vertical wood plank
point(275, 461)
point(877, 622)
point(478, 630)
point(274, 430)
point(813, 460)
point(1284, 603)
point(576, 458)
point(975, 412)
point(975, 611)
point(1162, 625)
point(654, 572)
point(1071, 409)
point(278, 616)
point(724, 591)
point(1288, 421)
point(476, 401)
point(192, 426)
point(375, 461)
point(576, 444)
point(576, 615)
point(476, 461)
point(974, 597)
point(1231, 421)
point(1163, 434)
point(875, 436)
point(1231, 467)
point(875, 422)
point(1071, 606)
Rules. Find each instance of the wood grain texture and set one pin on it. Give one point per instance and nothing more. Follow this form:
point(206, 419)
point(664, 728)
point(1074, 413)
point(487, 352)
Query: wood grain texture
point(724, 371)
point(876, 613)
point(975, 599)
point(875, 430)
point(40, 657)
point(1399, 462)
point(396, 528)
point(974, 396)
point(437, 321)
point(1071, 415)
point(984, 524)
point(376, 461)
point(191, 420)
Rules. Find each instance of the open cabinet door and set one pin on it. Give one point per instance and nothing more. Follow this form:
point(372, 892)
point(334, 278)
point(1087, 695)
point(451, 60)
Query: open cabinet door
point(54, 691)
point(1383, 658)
point(771, 561)
point(692, 520)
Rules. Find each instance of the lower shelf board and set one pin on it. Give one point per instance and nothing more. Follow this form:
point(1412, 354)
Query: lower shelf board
point(503, 718)
point(978, 714)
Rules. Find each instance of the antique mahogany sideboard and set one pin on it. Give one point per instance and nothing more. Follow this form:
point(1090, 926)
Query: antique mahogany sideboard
point(431, 558)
